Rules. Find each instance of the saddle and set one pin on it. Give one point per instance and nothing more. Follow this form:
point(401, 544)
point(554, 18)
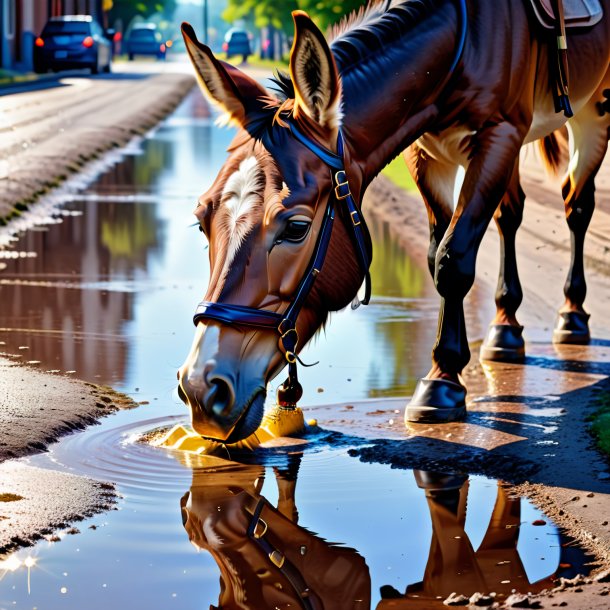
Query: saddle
point(576, 13)
point(556, 16)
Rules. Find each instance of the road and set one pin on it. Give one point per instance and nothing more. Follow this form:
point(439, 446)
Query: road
point(50, 129)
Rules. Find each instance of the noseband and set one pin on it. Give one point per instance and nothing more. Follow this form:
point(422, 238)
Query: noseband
point(285, 324)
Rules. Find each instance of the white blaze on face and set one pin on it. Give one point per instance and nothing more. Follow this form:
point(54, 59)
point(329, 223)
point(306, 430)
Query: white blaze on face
point(241, 207)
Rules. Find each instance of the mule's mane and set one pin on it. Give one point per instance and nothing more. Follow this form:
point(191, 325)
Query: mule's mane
point(365, 32)
point(360, 35)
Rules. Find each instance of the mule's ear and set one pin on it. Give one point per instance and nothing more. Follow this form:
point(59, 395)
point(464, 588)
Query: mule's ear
point(235, 93)
point(314, 73)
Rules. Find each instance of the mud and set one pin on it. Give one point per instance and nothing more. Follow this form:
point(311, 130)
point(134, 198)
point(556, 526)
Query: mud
point(41, 510)
point(37, 407)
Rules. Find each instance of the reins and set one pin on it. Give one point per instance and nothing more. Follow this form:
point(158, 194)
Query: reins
point(285, 324)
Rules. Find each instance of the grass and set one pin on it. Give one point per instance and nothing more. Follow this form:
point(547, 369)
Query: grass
point(254, 61)
point(8, 77)
point(600, 422)
point(398, 173)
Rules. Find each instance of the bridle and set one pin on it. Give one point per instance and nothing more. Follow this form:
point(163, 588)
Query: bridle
point(285, 324)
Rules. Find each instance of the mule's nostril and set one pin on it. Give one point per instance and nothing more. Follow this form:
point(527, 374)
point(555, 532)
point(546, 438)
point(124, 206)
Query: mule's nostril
point(182, 395)
point(220, 397)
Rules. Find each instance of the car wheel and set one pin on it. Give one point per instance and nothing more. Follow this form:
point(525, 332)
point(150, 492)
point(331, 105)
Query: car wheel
point(130, 56)
point(108, 68)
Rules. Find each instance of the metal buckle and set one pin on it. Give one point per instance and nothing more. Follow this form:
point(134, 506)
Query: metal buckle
point(258, 533)
point(291, 357)
point(279, 327)
point(341, 182)
point(277, 558)
point(352, 217)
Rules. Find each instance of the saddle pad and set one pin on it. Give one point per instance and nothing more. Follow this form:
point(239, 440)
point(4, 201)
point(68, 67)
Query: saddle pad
point(577, 13)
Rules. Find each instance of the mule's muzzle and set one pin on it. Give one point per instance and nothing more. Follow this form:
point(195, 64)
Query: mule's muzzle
point(218, 410)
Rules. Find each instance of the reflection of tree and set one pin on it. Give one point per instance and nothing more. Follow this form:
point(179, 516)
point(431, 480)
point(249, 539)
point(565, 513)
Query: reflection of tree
point(394, 274)
point(131, 233)
point(69, 326)
point(393, 271)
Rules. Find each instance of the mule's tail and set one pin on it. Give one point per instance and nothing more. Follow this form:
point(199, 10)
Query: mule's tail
point(554, 150)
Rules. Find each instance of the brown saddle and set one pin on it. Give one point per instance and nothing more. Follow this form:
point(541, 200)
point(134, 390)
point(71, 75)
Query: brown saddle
point(577, 13)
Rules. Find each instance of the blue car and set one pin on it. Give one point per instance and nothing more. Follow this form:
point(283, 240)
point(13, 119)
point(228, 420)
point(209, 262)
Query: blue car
point(145, 39)
point(73, 41)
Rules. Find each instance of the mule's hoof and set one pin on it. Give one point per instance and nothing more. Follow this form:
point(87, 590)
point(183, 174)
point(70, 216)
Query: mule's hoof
point(436, 401)
point(503, 343)
point(572, 327)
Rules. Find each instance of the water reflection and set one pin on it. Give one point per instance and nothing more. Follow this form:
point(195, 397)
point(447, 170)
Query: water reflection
point(268, 560)
point(69, 303)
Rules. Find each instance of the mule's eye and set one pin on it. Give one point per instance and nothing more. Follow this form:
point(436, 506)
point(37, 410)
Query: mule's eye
point(295, 231)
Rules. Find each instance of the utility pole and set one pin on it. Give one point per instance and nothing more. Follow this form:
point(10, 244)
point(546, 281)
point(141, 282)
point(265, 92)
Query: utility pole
point(205, 21)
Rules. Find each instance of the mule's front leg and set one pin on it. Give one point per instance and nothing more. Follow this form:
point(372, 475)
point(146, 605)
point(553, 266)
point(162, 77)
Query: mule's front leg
point(441, 396)
point(504, 340)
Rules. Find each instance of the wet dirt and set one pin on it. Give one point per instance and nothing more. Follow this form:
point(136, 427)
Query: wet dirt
point(107, 288)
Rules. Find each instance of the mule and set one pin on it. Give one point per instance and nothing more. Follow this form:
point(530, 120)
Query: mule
point(454, 83)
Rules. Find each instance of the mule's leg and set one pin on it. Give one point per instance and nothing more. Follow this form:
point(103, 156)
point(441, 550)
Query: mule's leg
point(589, 141)
point(504, 340)
point(436, 181)
point(441, 396)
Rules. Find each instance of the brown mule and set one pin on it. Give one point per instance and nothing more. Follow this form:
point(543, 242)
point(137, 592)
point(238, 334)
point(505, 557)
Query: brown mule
point(388, 82)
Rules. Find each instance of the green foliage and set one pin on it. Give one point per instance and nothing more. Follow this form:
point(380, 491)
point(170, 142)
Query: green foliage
point(398, 173)
point(600, 423)
point(277, 13)
point(126, 10)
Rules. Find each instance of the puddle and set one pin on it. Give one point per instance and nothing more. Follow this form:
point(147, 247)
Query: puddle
point(106, 292)
point(348, 531)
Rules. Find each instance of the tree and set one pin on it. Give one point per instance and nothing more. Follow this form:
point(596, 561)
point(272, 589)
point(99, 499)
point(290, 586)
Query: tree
point(277, 13)
point(126, 10)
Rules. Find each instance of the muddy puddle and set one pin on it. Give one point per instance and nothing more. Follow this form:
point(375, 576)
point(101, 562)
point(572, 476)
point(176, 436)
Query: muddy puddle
point(105, 291)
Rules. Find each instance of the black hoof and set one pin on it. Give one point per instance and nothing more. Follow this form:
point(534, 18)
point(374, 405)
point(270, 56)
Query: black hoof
point(503, 343)
point(436, 401)
point(572, 327)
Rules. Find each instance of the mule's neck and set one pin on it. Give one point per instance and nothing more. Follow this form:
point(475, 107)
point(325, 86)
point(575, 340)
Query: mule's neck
point(392, 95)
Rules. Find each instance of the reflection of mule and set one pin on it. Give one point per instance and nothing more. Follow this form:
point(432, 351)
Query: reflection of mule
point(457, 82)
point(266, 560)
point(453, 564)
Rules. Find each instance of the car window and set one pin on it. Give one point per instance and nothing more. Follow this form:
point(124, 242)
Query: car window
point(66, 27)
point(142, 34)
point(239, 37)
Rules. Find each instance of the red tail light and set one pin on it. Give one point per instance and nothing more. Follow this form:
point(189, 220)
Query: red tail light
point(88, 42)
point(225, 46)
point(39, 42)
point(162, 48)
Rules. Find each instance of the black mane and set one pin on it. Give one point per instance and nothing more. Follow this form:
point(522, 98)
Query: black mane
point(368, 38)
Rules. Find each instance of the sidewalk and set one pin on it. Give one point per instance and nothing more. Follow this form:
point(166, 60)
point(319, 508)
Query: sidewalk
point(45, 135)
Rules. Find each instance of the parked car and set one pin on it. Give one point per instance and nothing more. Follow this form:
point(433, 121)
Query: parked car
point(237, 42)
point(145, 39)
point(73, 41)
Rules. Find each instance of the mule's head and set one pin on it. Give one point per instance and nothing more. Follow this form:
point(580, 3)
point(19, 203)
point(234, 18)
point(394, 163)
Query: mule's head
point(261, 218)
